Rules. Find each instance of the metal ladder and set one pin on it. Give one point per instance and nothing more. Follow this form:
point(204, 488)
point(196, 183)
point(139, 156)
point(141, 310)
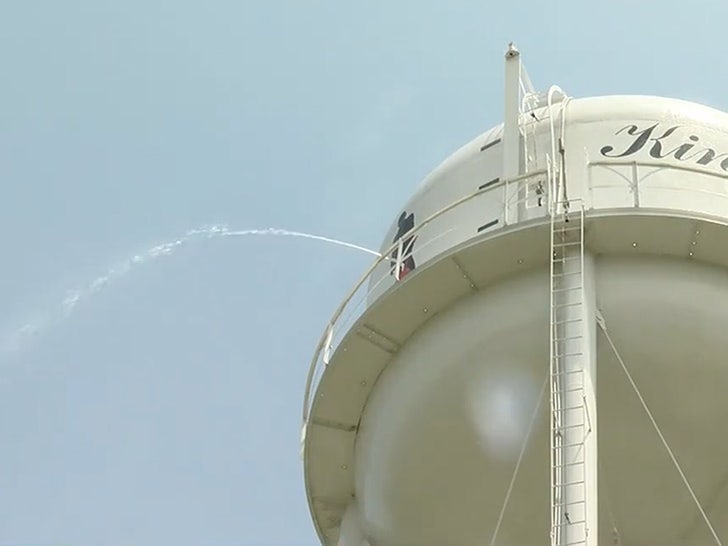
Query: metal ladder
point(569, 415)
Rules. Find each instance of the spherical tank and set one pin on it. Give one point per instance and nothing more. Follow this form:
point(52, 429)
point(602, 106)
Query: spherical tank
point(539, 357)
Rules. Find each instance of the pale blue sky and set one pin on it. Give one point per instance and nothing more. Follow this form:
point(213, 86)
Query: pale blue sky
point(166, 408)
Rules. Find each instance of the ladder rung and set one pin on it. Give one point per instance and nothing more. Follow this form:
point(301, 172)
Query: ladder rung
point(567, 504)
point(565, 274)
point(561, 313)
point(569, 427)
point(562, 229)
point(558, 355)
point(566, 373)
point(558, 268)
point(572, 523)
point(568, 321)
point(559, 290)
point(572, 408)
point(559, 417)
point(561, 413)
point(570, 389)
point(562, 305)
point(563, 244)
point(556, 265)
point(575, 542)
point(565, 259)
point(569, 338)
point(565, 465)
point(570, 372)
point(567, 446)
point(579, 522)
point(569, 484)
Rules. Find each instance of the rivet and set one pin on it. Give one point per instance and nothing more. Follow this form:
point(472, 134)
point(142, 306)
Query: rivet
point(520, 261)
point(697, 232)
point(344, 467)
point(694, 243)
point(690, 254)
point(424, 310)
point(363, 383)
point(634, 244)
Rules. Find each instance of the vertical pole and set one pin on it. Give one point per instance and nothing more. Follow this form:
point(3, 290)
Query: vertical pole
point(591, 456)
point(511, 130)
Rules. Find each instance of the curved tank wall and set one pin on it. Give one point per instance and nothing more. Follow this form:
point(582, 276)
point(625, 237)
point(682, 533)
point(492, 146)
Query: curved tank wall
point(444, 427)
point(426, 395)
point(619, 152)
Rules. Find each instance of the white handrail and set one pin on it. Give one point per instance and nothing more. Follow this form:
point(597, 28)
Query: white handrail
point(551, 173)
point(386, 255)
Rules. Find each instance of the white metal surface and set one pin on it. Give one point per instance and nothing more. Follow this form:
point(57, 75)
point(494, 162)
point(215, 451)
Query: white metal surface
point(408, 434)
point(597, 130)
point(347, 425)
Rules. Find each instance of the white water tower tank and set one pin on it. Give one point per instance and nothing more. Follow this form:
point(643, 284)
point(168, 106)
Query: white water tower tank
point(541, 355)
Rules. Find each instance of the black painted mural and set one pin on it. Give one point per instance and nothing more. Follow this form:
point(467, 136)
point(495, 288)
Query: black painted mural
point(405, 224)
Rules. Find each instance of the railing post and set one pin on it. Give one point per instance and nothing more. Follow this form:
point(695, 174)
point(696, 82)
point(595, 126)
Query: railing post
point(398, 261)
point(328, 343)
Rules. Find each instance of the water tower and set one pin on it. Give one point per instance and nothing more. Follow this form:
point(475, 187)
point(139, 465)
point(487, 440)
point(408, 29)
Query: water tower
point(541, 354)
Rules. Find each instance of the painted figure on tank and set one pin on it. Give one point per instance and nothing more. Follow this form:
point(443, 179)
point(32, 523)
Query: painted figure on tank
point(405, 225)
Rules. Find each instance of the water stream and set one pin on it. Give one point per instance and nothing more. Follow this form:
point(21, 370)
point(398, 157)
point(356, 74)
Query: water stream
point(15, 339)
